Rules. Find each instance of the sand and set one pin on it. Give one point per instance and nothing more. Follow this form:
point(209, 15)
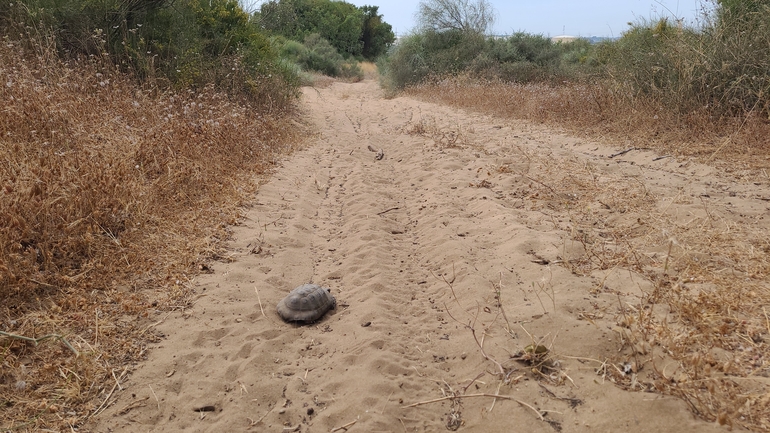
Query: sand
point(417, 248)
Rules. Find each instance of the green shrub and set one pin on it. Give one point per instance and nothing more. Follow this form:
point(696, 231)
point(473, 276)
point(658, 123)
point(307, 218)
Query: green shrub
point(642, 57)
point(289, 49)
point(406, 64)
point(320, 56)
point(352, 31)
point(317, 55)
point(736, 60)
point(431, 53)
point(519, 58)
point(184, 42)
point(719, 67)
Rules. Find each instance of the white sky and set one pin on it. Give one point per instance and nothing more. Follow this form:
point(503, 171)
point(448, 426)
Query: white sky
point(553, 17)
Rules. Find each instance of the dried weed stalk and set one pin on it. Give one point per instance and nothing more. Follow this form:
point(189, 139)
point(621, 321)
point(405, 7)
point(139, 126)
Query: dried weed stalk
point(536, 356)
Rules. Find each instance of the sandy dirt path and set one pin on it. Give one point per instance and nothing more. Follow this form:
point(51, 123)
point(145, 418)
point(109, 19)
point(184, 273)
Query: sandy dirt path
point(420, 249)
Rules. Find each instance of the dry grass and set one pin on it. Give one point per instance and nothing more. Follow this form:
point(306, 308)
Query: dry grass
point(603, 112)
point(113, 197)
point(700, 326)
point(370, 70)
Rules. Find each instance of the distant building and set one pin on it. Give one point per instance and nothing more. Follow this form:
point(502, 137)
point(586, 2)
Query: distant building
point(564, 38)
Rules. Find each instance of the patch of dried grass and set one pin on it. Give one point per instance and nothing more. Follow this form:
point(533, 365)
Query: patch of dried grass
point(370, 70)
point(702, 331)
point(112, 199)
point(607, 112)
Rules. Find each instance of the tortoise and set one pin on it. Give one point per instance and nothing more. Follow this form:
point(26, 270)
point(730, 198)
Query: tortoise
point(307, 303)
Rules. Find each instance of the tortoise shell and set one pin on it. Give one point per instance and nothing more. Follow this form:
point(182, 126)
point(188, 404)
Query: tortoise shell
point(307, 303)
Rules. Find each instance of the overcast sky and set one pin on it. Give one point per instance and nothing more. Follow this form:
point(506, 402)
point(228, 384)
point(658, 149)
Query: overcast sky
point(554, 17)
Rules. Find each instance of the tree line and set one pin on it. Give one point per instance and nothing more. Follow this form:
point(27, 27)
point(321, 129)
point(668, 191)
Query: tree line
point(185, 43)
point(354, 31)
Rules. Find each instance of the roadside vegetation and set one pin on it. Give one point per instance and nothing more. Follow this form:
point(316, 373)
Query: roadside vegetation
point(131, 135)
point(325, 36)
point(699, 92)
point(660, 81)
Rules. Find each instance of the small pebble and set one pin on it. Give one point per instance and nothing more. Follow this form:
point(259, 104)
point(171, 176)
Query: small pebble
point(310, 411)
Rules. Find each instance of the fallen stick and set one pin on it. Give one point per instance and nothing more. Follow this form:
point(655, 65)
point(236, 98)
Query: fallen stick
point(260, 302)
point(495, 396)
point(622, 152)
point(344, 427)
point(388, 210)
point(117, 385)
point(36, 341)
point(134, 405)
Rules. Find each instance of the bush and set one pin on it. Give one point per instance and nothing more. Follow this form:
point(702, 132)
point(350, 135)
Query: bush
point(643, 58)
point(352, 31)
point(430, 53)
point(405, 64)
point(318, 55)
point(184, 43)
point(519, 58)
point(321, 56)
point(717, 68)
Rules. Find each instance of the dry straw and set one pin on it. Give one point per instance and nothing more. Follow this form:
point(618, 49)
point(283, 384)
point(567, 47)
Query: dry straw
point(112, 197)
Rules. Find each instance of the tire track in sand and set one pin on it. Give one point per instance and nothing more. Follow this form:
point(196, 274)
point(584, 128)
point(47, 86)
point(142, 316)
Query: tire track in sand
point(386, 236)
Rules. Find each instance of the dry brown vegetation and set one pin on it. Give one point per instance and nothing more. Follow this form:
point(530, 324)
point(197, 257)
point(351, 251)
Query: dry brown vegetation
point(369, 70)
point(112, 198)
point(606, 112)
point(701, 329)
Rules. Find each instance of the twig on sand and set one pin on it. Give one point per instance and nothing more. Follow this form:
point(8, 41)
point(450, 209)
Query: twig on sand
point(117, 384)
point(622, 152)
point(540, 182)
point(260, 303)
point(252, 423)
point(494, 400)
point(388, 210)
point(495, 396)
point(386, 403)
point(343, 427)
point(483, 353)
point(402, 424)
point(134, 405)
point(154, 395)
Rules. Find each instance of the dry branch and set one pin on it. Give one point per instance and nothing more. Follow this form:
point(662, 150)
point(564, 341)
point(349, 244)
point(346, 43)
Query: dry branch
point(343, 427)
point(38, 340)
point(495, 396)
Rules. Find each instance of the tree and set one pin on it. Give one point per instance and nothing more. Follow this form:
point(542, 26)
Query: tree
point(339, 22)
point(278, 17)
point(468, 16)
point(377, 35)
